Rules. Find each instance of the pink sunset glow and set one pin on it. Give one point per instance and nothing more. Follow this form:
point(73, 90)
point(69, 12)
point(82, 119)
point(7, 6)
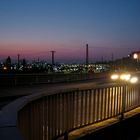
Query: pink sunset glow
point(71, 52)
point(32, 50)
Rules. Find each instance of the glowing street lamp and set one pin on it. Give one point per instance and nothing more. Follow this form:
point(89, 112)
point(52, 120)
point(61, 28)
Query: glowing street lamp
point(135, 56)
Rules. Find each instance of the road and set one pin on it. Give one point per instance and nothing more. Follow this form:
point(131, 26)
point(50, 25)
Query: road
point(9, 94)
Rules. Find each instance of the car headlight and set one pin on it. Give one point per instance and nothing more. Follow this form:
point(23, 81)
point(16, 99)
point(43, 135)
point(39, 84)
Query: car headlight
point(114, 76)
point(134, 80)
point(125, 77)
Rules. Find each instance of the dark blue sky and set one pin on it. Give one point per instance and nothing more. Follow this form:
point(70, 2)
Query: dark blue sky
point(34, 27)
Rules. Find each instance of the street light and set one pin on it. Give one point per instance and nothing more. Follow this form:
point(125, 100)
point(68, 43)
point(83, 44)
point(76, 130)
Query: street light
point(135, 56)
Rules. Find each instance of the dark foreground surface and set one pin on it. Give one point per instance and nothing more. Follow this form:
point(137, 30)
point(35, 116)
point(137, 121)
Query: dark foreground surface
point(125, 130)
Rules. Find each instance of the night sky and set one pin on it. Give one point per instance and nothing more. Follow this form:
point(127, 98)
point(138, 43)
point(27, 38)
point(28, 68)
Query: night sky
point(33, 28)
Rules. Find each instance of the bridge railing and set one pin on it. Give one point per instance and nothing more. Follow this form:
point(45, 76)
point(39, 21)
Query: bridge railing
point(49, 116)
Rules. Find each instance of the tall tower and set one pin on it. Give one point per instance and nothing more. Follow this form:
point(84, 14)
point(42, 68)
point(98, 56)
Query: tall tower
point(87, 59)
point(18, 61)
point(52, 57)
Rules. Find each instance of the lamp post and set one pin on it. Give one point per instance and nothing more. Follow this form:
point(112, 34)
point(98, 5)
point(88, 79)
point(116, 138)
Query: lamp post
point(87, 58)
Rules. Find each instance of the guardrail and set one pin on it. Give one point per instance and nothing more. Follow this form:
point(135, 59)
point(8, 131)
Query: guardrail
point(50, 116)
point(29, 79)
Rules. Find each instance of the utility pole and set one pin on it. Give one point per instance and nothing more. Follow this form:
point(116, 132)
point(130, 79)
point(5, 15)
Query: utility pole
point(87, 54)
point(87, 59)
point(52, 57)
point(18, 61)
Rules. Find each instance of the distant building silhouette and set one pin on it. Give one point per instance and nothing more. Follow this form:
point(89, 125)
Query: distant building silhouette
point(8, 63)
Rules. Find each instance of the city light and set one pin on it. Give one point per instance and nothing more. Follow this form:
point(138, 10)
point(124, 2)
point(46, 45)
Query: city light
point(5, 68)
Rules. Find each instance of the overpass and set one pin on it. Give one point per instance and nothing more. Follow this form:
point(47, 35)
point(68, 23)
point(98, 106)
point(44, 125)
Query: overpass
point(72, 112)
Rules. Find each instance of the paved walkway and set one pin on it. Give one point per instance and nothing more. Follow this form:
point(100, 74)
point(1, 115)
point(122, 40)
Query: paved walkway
point(8, 121)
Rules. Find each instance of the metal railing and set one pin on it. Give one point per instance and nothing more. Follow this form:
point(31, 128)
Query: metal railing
point(51, 116)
